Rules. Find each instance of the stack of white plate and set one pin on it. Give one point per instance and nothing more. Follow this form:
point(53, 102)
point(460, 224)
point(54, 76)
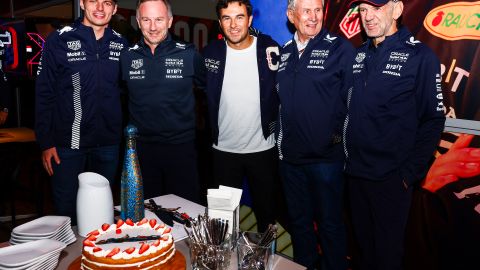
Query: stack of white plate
point(38, 255)
point(47, 227)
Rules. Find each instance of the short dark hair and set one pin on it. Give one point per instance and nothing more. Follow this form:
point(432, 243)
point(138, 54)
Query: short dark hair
point(221, 4)
point(166, 2)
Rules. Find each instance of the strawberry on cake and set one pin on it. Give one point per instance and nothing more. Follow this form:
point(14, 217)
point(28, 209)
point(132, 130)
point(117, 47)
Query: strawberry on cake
point(129, 245)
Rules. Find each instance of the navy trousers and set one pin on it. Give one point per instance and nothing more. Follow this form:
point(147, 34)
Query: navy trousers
point(102, 160)
point(314, 193)
point(169, 169)
point(261, 171)
point(379, 217)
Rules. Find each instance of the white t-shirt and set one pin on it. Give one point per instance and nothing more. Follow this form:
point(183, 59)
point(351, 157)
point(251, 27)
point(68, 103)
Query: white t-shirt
point(239, 118)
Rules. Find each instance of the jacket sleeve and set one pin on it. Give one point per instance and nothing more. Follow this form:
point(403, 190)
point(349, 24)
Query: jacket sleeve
point(430, 115)
point(45, 95)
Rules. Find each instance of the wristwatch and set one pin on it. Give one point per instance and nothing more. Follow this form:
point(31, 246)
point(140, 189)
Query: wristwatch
point(5, 110)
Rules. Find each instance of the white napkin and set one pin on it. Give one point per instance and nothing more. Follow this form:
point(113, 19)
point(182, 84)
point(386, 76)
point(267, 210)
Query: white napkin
point(223, 203)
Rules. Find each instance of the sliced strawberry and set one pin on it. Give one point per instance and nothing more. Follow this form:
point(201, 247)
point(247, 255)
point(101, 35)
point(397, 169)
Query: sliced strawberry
point(143, 248)
point(94, 233)
point(96, 249)
point(167, 230)
point(105, 226)
point(162, 225)
point(129, 222)
point(92, 238)
point(129, 250)
point(120, 223)
point(156, 243)
point(88, 243)
point(143, 221)
point(113, 252)
point(118, 231)
point(165, 237)
point(153, 222)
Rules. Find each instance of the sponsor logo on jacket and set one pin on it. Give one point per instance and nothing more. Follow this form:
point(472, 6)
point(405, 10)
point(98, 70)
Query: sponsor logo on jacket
point(318, 58)
point(76, 54)
point(136, 64)
point(358, 67)
point(174, 73)
point(438, 85)
point(212, 65)
point(283, 61)
point(115, 46)
point(174, 62)
point(398, 57)
point(137, 73)
point(74, 45)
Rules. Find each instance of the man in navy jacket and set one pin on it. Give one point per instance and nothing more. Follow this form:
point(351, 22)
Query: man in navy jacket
point(78, 114)
point(160, 74)
point(314, 76)
point(395, 119)
point(243, 107)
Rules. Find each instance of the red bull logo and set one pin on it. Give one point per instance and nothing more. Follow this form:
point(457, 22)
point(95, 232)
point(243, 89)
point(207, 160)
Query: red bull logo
point(350, 24)
point(454, 21)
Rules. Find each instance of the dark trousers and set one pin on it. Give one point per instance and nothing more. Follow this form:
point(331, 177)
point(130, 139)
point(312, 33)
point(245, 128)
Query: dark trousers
point(379, 216)
point(169, 169)
point(261, 170)
point(314, 193)
point(102, 160)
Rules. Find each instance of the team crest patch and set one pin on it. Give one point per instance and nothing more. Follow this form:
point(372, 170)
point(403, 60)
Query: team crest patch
point(136, 64)
point(74, 45)
point(360, 57)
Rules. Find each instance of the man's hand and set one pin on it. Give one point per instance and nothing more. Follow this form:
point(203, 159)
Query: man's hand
point(460, 161)
point(3, 117)
point(47, 156)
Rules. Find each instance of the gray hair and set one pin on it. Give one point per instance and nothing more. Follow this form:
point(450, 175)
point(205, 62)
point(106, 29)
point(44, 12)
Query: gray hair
point(291, 4)
point(166, 2)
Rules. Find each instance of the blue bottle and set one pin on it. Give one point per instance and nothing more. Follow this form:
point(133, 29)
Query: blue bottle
point(132, 185)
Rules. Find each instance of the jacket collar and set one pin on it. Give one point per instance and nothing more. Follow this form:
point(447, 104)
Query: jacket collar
point(402, 34)
point(159, 47)
point(78, 24)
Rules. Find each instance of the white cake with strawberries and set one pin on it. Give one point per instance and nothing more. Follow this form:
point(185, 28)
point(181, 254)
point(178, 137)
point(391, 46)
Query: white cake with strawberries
point(129, 245)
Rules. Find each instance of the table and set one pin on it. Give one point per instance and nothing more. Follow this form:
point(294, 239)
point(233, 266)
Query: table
point(20, 134)
point(72, 252)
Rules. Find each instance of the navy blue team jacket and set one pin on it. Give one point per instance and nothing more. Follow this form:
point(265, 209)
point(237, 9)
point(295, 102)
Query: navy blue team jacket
point(396, 114)
point(77, 89)
point(160, 90)
point(268, 60)
point(312, 93)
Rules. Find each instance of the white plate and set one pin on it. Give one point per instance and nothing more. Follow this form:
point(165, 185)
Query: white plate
point(23, 254)
point(67, 238)
point(46, 264)
point(35, 265)
point(44, 226)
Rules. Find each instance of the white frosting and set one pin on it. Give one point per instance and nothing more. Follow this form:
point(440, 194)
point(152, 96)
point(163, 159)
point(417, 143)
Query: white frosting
point(132, 231)
point(134, 264)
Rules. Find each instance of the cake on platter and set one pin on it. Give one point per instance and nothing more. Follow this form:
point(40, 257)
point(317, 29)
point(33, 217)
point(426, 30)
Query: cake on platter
point(129, 245)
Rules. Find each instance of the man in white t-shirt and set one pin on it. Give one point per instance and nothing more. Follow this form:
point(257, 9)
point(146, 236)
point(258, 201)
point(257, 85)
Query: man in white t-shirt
point(243, 107)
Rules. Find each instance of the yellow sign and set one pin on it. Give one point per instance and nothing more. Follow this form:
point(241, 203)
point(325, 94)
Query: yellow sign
point(454, 21)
